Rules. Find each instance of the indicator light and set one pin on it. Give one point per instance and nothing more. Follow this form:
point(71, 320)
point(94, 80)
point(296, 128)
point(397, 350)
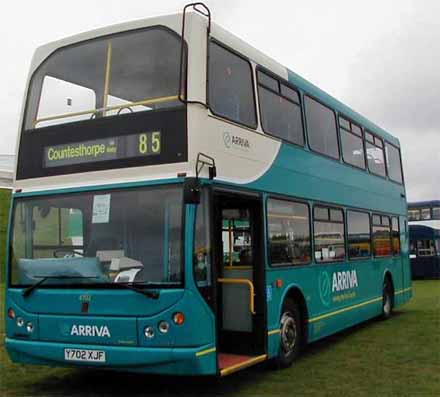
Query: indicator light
point(164, 327)
point(279, 283)
point(149, 332)
point(20, 322)
point(178, 318)
point(11, 313)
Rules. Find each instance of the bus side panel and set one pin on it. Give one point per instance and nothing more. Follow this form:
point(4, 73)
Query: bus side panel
point(337, 295)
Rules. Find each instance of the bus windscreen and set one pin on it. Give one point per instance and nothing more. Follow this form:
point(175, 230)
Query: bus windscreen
point(131, 236)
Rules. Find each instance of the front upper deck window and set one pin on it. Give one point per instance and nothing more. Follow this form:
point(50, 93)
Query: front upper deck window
point(122, 73)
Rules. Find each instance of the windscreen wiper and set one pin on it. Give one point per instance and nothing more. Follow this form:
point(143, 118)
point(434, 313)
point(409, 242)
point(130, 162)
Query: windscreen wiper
point(33, 287)
point(131, 286)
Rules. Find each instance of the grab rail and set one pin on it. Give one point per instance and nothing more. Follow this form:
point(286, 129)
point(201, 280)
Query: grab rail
point(245, 282)
point(150, 101)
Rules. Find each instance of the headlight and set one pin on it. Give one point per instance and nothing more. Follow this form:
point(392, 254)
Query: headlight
point(164, 327)
point(30, 327)
point(149, 332)
point(20, 322)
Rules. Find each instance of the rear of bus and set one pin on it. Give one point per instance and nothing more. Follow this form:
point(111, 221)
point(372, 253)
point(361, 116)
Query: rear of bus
point(99, 273)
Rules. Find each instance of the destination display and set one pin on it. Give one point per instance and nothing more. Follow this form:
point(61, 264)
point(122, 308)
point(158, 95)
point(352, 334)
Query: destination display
point(97, 150)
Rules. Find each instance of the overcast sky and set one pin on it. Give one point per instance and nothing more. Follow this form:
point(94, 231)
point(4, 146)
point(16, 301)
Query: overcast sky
point(380, 57)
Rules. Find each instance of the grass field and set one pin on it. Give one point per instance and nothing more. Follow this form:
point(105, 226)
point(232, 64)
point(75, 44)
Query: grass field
point(398, 357)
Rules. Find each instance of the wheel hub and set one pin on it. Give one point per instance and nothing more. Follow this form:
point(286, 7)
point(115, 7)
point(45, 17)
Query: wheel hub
point(387, 304)
point(288, 333)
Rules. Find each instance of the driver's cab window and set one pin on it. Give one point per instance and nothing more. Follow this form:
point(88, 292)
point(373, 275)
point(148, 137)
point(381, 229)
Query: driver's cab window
point(57, 231)
point(236, 237)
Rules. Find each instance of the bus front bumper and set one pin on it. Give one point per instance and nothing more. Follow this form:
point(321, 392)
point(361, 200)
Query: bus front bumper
point(199, 360)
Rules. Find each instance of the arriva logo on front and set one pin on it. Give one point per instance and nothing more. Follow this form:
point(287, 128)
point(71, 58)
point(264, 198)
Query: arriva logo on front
point(344, 280)
point(90, 330)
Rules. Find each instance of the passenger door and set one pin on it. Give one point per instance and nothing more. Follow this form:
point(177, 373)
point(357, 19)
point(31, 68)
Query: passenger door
point(238, 238)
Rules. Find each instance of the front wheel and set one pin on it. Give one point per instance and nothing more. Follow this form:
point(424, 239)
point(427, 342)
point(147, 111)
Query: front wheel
point(387, 299)
point(291, 334)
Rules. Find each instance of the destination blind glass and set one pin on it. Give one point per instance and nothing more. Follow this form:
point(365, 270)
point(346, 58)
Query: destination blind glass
point(113, 148)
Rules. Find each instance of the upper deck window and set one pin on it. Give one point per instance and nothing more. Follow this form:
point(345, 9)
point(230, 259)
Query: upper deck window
point(393, 163)
point(426, 213)
point(321, 128)
point(122, 73)
point(280, 109)
point(231, 93)
point(352, 143)
point(414, 215)
point(375, 154)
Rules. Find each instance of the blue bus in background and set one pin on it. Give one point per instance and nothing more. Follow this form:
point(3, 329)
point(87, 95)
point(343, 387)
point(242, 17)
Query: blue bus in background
point(424, 235)
point(185, 205)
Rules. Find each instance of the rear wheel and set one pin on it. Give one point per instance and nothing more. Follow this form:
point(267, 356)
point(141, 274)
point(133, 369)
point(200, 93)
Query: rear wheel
point(387, 299)
point(291, 334)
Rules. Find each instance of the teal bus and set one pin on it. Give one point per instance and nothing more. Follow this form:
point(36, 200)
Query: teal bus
point(185, 205)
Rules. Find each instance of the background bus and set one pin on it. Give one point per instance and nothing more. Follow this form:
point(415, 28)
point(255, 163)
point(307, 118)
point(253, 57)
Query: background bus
point(424, 234)
point(186, 205)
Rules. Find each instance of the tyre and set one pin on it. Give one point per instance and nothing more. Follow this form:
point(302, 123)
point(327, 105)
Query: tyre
point(387, 299)
point(291, 335)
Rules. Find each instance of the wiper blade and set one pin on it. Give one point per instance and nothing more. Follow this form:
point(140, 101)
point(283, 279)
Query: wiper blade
point(33, 287)
point(131, 286)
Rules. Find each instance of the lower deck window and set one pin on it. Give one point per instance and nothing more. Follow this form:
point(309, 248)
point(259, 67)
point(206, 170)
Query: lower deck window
point(289, 232)
point(359, 239)
point(329, 234)
point(381, 235)
point(425, 247)
point(395, 235)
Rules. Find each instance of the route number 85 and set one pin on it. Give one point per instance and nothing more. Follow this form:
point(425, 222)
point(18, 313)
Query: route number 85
point(155, 143)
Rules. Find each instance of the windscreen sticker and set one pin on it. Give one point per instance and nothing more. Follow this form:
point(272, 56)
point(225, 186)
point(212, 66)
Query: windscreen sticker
point(101, 208)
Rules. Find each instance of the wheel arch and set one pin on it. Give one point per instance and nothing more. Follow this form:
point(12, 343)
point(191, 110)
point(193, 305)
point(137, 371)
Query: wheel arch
point(387, 275)
point(295, 293)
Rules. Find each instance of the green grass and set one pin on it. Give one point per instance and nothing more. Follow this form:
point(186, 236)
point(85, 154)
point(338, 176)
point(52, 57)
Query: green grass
point(398, 357)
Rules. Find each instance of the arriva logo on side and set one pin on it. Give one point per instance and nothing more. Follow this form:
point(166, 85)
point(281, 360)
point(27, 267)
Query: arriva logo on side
point(90, 330)
point(344, 280)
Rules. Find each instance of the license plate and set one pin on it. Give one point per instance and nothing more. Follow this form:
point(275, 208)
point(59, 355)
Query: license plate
point(93, 356)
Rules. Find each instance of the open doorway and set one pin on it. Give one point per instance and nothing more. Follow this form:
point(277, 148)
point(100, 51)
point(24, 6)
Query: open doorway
point(239, 262)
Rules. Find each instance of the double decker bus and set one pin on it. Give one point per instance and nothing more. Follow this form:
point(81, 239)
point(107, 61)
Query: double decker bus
point(424, 236)
point(183, 204)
